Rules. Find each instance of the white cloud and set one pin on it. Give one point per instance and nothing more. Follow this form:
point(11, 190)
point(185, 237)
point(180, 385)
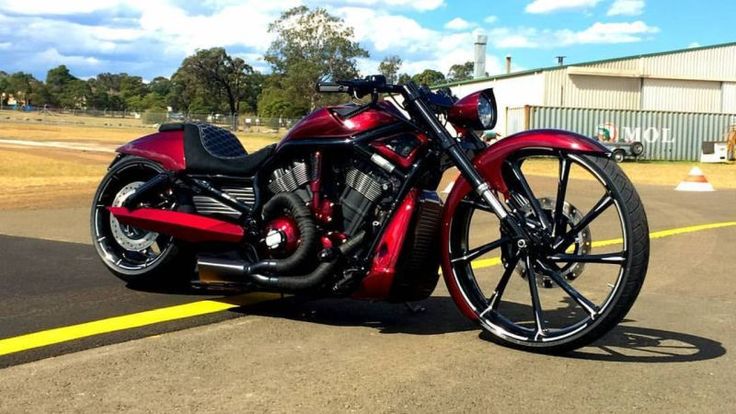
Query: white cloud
point(398, 32)
point(550, 6)
point(419, 47)
point(598, 33)
point(420, 5)
point(458, 23)
point(52, 7)
point(626, 8)
point(151, 37)
point(53, 57)
point(693, 45)
point(608, 33)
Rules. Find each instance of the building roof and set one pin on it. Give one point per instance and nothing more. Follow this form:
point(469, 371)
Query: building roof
point(592, 62)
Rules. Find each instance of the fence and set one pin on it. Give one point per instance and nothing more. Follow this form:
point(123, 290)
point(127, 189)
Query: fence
point(147, 119)
point(674, 136)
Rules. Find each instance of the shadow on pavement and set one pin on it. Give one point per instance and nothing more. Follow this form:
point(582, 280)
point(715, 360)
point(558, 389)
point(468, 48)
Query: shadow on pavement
point(438, 315)
point(623, 344)
point(645, 345)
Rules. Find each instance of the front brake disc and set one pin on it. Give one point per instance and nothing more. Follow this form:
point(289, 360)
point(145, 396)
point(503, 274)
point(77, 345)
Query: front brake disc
point(581, 245)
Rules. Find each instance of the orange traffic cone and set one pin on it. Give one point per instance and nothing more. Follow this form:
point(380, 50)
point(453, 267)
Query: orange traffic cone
point(695, 181)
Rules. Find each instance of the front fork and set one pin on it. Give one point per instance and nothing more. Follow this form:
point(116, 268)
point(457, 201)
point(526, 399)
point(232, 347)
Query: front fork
point(464, 165)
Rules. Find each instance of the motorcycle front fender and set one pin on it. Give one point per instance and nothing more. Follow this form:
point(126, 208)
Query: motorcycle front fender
point(488, 163)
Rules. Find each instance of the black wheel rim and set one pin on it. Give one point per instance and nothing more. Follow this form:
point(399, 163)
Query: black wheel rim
point(537, 265)
point(112, 252)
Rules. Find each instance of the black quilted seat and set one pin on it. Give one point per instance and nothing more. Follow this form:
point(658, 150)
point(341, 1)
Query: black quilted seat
point(212, 150)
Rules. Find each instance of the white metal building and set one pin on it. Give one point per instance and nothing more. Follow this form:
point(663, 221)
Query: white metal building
point(701, 79)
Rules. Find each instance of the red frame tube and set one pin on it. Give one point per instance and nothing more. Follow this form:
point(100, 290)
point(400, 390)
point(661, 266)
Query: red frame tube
point(184, 226)
point(377, 284)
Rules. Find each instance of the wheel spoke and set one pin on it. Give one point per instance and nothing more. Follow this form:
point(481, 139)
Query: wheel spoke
point(529, 194)
point(578, 297)
point(480, 251)
point(501, 286)
point(618, 258)
point(536, 304)
point(558, 227)
point(601, 206)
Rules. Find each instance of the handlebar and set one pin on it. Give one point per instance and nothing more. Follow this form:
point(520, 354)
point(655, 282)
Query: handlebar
point(376, 84)
point(359, 87)
point(328, 87)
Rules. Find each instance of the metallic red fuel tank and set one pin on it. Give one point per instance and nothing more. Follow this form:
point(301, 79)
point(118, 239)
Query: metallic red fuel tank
point(338, 122)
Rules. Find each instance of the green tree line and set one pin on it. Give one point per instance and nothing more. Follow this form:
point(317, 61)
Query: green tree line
point(309, 45)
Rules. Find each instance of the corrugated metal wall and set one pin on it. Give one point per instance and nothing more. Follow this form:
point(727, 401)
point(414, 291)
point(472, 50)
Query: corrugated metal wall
point(584, 91)
point(666, 135)
point(516, 119)
point(681, 95)
point(692, 80)
point(729, 97)
point(702, 64)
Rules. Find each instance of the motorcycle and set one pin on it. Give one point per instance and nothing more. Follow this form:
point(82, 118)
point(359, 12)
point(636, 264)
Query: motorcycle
point(345, 205)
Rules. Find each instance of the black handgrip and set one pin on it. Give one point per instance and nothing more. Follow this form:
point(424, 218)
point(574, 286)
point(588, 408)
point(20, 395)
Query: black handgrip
point(332, 88)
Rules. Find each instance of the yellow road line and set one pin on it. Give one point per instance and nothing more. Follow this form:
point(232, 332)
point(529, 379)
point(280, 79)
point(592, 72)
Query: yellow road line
point(133, 320)
point(204, 307)
point(495, 261)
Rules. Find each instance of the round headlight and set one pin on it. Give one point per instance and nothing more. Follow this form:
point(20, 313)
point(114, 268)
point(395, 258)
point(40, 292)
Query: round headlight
point(486, 112)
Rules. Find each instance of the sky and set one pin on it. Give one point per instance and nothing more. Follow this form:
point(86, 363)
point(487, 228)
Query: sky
point(151, 37)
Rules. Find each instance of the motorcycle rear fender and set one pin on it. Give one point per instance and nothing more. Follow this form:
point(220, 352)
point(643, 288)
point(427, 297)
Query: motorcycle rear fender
point(165, 148)
point(488, 163)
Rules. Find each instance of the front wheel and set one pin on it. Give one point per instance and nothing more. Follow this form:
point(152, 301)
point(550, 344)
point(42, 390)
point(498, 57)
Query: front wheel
point(134, 255)
point(581, 269)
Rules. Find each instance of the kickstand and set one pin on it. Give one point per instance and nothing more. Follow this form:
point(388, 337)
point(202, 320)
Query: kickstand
point(415, 309)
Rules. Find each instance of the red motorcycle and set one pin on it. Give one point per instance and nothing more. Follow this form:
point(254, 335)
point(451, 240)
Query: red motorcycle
point(346, 205)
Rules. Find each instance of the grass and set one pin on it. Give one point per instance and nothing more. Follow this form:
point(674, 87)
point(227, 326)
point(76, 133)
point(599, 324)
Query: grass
point(81, 133)
point(48, 178)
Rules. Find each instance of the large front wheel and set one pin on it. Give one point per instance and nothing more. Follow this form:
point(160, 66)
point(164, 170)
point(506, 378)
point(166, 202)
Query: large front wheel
point(580, 270)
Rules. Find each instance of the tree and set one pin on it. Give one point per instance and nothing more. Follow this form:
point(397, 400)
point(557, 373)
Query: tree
point(160, 86)
point(429, 77)
point(310, 45)
point(218, 75)
point(404, 78)
point(389, 67)
point(25, 88)
point(461, 72)
point(57, 79)
point(75, 94)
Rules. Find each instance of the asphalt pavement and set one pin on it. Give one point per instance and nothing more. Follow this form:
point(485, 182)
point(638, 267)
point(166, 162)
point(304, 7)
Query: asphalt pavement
point(672, 354)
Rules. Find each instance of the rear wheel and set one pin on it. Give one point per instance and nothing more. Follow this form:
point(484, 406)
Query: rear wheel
point(582, 268)
point(135, 255)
